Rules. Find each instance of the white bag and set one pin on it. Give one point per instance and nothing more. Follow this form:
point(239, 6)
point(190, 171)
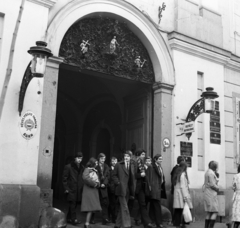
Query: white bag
point(187, 213)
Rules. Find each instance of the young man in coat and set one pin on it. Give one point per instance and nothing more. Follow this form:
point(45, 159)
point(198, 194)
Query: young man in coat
point(103, 173)
point(112, 208)
point(123, 177)
point(155, 176)
point(142, 189)
point(73, 185)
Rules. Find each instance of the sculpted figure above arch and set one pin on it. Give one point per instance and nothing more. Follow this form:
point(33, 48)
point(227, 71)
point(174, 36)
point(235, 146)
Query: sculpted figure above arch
point(113, 49)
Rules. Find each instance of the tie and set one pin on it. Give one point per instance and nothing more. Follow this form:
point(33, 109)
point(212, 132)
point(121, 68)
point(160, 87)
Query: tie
point(127, 165)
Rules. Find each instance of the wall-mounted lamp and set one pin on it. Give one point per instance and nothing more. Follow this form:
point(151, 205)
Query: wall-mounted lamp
point(39, 58)
point(203, 105)
point(36, 68)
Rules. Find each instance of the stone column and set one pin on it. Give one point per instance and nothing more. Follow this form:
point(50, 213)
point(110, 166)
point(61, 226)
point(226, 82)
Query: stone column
point(45, 159)
point(162, 124)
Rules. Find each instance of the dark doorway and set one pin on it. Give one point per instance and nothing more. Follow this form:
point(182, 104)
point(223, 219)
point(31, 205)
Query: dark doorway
point(103, 143)
point(98, 113)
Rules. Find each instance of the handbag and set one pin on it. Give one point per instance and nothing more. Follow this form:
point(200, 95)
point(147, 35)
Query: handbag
point(187, 213)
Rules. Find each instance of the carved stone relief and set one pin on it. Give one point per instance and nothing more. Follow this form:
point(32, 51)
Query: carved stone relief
point(108, 46)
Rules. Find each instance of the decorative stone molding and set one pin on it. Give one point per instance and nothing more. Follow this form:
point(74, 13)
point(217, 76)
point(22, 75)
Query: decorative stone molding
point(139, 24)
point(162, 87)
point(205, 51)
point(46, 3)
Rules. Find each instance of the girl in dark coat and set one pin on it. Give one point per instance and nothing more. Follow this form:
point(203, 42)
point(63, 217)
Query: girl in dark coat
point(90, 195)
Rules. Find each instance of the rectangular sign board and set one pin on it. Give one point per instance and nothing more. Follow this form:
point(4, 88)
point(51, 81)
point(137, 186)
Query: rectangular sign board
point(215, 138)
point(186, 149)
point(215, 127)
point(189, 127)
point(217, 105)
point(215, 116)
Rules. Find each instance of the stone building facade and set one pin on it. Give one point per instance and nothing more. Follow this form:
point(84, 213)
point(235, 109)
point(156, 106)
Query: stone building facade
point(102, 100)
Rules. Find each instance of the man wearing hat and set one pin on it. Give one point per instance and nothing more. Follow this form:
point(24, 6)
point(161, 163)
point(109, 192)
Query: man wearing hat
point(73, 185)
point(124, 179)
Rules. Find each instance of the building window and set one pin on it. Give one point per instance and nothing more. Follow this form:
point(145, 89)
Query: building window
point(200, 125)
point(236, 100)
point(1, 32)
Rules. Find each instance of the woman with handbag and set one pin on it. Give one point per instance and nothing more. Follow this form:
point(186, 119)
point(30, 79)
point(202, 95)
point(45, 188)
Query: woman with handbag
point(236, 199)
point(90, 195)
point(210, 194)
point(181, 197)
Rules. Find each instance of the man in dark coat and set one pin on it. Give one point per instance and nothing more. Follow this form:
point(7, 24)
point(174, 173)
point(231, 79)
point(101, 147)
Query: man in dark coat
point(142, 189)
point(73, 185)
point(103, 173)
point(123, 177)
point(112, 209)
point(155, 177)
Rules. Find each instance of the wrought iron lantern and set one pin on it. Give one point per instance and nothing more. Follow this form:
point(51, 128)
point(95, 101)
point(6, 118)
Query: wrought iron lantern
point(209, 96)
point(39, 58)
point(203, 105)
point(36, 68)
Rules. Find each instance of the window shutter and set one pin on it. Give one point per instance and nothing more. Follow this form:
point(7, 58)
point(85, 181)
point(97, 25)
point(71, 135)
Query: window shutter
point(238, 125)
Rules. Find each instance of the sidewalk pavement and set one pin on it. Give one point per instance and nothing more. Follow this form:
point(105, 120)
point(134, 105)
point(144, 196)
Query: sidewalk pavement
point(198, 224)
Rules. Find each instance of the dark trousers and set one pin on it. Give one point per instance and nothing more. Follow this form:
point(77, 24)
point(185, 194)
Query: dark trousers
point(142, 201)
point(72, 206)
point(104, 204)
point(155, 210)
point(178, 217)
point(113, 206)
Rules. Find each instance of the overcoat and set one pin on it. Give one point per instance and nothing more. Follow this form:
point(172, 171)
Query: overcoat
point(141, 182)
point(111, 185)
point(72, 181)
point(210, 191)
point(104, 179)
point(181, 191)
point(90, 196)
point(124, 179)
point(155, 181)
point(236, 198)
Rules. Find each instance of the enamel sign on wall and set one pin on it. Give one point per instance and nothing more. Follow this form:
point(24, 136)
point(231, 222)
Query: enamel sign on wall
point(28, 125)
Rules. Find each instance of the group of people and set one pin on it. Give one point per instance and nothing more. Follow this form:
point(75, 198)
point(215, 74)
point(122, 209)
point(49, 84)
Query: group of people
point(135, 179)
point(138, 179)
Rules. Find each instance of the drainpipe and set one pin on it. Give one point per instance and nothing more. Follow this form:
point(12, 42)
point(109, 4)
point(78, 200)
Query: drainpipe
point(10, 60)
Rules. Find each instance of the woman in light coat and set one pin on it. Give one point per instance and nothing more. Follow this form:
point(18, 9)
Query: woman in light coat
point(236, 199)
point(90, 195)
point(181, 194)
point(210, 194)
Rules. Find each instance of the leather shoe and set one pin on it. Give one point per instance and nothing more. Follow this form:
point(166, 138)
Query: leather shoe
point(105, 221)
point(160, 226)
point(92, 222)
point(150, 225)
point(75, 222)
point(137, 223)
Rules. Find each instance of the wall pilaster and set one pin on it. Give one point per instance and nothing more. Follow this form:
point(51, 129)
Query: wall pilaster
point(162, 123)
point(48, 116)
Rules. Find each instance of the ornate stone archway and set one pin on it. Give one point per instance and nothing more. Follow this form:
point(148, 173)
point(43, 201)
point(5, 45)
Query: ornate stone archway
point(159, 55)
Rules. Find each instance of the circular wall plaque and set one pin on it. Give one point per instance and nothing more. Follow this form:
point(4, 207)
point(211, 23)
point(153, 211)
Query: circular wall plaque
point(166, 142)
point(28, 125)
